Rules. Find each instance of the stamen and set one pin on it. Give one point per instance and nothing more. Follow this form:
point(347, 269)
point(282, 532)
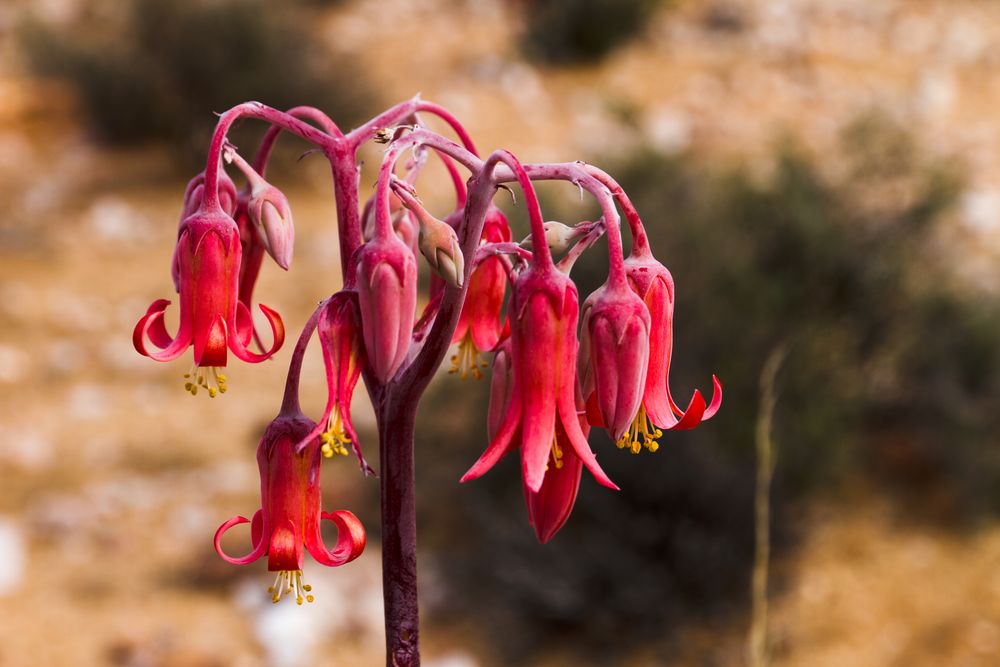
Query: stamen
point(555, 455)
point(642, 433)
point(290, 582)
point(467, 361)
point(205, 377)
point(334, 438)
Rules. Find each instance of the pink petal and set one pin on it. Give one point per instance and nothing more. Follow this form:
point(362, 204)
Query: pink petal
point(351, 540)
point(259, 545)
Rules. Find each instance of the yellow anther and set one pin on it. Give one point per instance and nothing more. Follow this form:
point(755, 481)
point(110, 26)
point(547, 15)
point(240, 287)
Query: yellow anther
point(289, 582)
point(467, 361)
point(334, 438)
point(207, 378)
point(642, 433)
point(555, 455)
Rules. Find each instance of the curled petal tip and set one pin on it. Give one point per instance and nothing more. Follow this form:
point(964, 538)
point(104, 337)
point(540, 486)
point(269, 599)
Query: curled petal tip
point(259, 545)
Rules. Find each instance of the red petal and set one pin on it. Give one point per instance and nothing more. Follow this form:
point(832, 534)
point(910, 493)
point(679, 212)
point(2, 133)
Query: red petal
point(351, 540)
point(259, 545)
point(277, 333)
point(151, 325)
point(210, 344)
point(550, 506)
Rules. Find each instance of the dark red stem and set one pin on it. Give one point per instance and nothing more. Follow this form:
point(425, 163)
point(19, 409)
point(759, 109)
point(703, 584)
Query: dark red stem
point(396, 414)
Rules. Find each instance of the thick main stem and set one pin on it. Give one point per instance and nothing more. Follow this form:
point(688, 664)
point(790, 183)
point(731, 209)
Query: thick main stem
point(396, 420)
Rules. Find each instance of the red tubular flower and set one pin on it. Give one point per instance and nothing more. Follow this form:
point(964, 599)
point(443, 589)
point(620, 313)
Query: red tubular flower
point(387, 295)
point(655, 286)
point(339, 330)
point(288, 523)
point(480, 325)
point(615, 355)
point(211, 318)
point(542, 408)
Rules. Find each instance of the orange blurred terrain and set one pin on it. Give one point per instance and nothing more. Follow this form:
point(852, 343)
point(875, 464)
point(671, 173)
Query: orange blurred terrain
point(114, 478)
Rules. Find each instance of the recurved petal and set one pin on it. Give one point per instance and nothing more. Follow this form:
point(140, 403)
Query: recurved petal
point(277, 334)
point(351, 540)
point(151, 326)
point(259, 547)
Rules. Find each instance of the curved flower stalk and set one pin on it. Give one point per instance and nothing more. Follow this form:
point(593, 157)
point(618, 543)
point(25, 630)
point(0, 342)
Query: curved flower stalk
point(540, 417)
point(288, 522)
point(212, 319)
point(339, 331)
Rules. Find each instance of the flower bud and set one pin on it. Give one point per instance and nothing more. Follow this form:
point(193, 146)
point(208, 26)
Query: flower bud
point(558, 236)
point(387, 295)
point(438, 243)
point(269, 210)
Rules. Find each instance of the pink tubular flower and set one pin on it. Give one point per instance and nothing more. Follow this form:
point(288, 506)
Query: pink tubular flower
point(288, 522)
point(211, 317)
point(480, 325)
point(615, 354)
point(541, 415)
point(339, 330)
point(655, 286)
point(387, 294)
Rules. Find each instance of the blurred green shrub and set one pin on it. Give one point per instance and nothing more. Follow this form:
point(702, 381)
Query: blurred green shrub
point(148, 70)
point(581, 31)
point(891, 378)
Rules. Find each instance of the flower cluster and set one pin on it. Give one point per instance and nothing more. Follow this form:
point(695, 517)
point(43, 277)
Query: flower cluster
point(558, 369)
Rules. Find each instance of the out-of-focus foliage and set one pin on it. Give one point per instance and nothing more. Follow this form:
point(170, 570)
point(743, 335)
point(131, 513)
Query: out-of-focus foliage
point(156, 71)
point(890, 374)
point(581, 31)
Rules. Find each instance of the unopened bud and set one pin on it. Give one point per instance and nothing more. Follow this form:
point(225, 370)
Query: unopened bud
point(558, 236)
point(268, 208)
point(438, 244)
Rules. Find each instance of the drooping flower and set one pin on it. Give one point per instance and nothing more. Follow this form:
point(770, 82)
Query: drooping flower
point(288, 522)
point(541, 415)
point(387, 294)
point(653, 283)
point(339, 330)
point(480, 324)
point(615, 354)
point(212, 318)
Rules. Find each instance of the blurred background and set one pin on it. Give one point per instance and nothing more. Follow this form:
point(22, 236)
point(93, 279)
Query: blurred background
point(819, 175)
